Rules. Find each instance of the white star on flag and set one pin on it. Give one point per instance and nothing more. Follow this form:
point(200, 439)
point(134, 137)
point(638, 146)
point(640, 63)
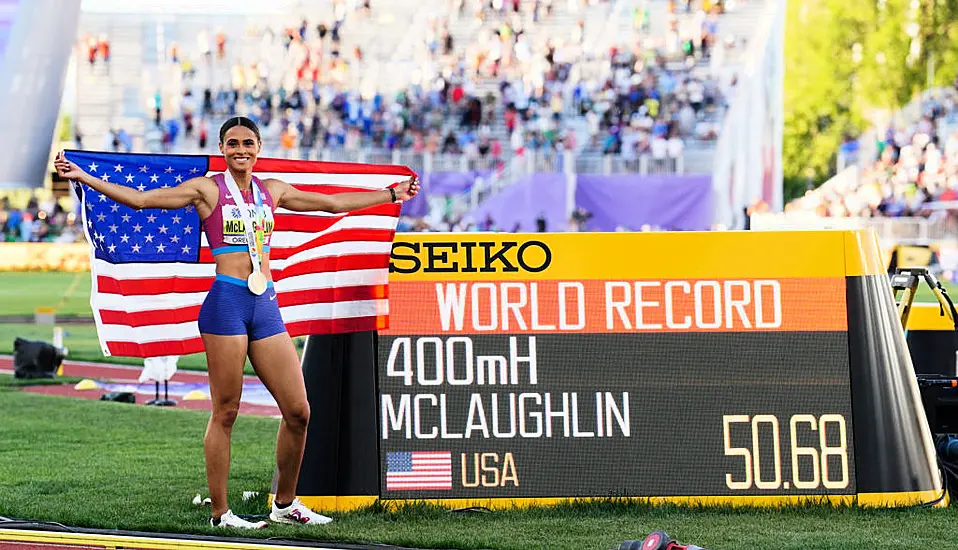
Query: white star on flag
point(129, 178)
point(141, 187)
point(188, 229)
point(102, 198)
point(137, 228)
point(106, 177)
point(151, 218)
point(178, 178)
point(112, 228)
point(161, 248)
point(114, 207)
point(93, 167)
point(176, 219)
point(154, 178)
point(144, 169)
point(118, 167)
point(186, 249)
point(193, 170)
point(136, 248)
point(100, 217)
point(163, 229)
point(112, 248)
point(175, 239)
point(149, 238)
point(169, 169)
point(125, 238)
point(125, 218)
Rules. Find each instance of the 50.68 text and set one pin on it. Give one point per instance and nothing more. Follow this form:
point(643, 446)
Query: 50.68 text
point(823, 463)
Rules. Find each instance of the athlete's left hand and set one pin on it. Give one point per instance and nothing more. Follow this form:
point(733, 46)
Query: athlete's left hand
point(407, 189)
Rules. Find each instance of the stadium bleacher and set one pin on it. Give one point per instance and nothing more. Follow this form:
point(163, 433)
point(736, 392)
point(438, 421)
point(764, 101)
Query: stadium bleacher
point(627, 86)
point(401, 52)
point(491, 91)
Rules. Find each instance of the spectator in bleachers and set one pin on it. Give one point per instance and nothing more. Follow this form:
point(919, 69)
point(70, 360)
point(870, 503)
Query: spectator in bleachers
point(912, 169)
point(37, 222)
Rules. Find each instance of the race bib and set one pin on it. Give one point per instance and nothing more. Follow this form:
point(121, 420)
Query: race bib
point(234, 233)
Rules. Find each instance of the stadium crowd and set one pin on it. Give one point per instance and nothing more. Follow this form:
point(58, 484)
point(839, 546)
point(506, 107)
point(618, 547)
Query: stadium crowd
point(523, 83)
point(916, 164)
point(39, 221)
point(529, 78)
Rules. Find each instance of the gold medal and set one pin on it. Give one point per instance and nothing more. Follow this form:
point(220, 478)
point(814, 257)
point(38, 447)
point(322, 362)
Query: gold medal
point(257, 283)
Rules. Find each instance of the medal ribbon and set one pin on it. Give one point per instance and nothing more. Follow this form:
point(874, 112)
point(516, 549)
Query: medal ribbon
point(254, 235)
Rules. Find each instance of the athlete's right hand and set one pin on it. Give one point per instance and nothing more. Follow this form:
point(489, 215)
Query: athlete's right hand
point(66, 169)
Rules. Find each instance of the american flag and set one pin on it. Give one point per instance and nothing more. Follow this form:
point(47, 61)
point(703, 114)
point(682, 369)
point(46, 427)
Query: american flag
point(418, 470)
point(153, 268)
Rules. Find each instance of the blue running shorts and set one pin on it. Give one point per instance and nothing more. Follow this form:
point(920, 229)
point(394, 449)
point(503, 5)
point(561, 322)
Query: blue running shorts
point(231, 309)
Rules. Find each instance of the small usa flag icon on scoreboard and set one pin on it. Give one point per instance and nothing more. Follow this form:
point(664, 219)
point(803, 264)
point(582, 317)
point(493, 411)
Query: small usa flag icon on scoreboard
point(418, 470)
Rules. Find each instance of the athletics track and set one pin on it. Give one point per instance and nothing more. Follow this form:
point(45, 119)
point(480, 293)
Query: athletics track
point(87, 539)
point(124, 378)
point(256, 401)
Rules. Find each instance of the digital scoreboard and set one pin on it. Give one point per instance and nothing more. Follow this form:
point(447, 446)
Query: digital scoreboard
point(705, 366)
point(546, 415)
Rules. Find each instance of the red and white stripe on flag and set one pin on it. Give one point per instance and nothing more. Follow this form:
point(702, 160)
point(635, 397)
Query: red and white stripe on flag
point(330, 271)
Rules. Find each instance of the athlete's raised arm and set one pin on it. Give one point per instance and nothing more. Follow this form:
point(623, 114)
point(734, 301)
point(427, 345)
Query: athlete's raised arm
point(187, 193)
point(290, 198)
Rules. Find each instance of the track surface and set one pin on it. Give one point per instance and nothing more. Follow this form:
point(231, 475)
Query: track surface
point(89, 539)
point(38, 546)
point(122, 374)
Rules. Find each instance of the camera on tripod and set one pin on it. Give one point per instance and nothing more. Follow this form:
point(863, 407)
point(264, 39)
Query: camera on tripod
point(931, 335)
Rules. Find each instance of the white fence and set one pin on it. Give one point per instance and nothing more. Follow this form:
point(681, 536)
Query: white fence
point(532, 161)
point(940, 229)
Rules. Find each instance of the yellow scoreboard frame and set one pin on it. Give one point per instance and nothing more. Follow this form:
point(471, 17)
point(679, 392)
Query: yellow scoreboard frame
point(662, 366)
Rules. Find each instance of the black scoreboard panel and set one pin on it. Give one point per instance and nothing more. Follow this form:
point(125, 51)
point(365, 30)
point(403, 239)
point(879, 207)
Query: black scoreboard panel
point(593, 415)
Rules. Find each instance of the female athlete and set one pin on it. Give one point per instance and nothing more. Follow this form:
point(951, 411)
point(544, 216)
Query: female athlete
point(240, 316)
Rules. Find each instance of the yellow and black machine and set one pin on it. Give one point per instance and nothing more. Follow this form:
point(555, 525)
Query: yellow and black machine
point(910, 255)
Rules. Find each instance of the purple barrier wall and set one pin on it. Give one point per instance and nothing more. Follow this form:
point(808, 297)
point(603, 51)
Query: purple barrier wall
point(673, 203)
point(524, 201)
point(440, 184)
point(450, 183)
point(418, 207)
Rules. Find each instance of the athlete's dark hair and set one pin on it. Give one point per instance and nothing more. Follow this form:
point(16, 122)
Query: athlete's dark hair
point(239, 121)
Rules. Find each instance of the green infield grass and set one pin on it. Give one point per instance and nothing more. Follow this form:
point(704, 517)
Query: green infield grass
point(23, 293)
point(925, 294)
point(118, 466)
